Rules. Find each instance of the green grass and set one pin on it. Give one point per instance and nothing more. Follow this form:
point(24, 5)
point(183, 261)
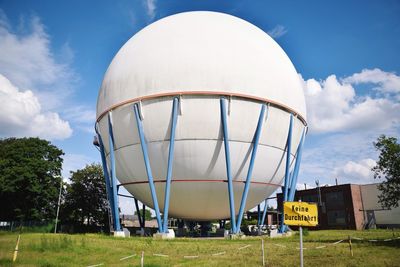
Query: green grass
point(83, 250)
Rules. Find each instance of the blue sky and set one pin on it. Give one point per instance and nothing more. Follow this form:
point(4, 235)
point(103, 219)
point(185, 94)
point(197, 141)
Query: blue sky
point(53, 55)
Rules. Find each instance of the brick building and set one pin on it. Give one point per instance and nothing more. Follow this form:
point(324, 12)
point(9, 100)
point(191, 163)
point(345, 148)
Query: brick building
point(348, 206)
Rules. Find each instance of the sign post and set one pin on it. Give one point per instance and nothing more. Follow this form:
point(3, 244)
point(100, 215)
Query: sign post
point(300, 214)
point(301, 246)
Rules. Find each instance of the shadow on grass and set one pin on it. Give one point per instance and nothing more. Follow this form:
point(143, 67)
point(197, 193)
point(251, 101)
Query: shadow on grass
point(6, 262)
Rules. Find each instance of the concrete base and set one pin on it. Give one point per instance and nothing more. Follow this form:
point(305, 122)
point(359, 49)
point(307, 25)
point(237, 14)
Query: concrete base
point(119, 234)
point(235, 236)
point(124, 233)
point(169, 235)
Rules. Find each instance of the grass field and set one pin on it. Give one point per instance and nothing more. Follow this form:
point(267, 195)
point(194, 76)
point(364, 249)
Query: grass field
point(84, 250)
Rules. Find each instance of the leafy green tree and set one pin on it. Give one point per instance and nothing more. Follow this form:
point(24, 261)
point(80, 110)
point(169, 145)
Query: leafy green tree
point(30, 178)
point(147, 214)
point(388, 167)
point(85, 202)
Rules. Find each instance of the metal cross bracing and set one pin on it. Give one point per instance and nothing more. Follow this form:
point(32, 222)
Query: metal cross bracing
point(141, 217)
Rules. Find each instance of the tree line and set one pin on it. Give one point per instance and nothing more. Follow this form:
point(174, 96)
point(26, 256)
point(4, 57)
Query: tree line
point(30, 180)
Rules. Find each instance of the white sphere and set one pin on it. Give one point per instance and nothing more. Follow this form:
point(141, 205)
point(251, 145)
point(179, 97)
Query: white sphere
point(200, 57)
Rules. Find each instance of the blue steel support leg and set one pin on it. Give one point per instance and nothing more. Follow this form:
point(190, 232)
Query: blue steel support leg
point(106, 176)
point(258, 216)
point(264, 212)
point(296, 167)
point(288, 151)
point(251, 166)
point(148, 167)
point(287, 169)
point(170, 163)
point(289, 185)
point(117, 224)
point(228, 164)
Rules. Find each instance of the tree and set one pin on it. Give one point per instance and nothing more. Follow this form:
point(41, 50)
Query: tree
point(147, 214)
point(30, 178)
point(85, 202)
point(388, 166)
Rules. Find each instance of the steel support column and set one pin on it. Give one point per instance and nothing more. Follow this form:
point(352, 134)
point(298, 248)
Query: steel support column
point(251, 166)
point(288, 151)
point(106, 176)
point(148, 167)
point(264, 212)
point(117, 225)
point(228, 164)
point(258, 216)
point(170, 163)
point(295, 172)
point(287, 170)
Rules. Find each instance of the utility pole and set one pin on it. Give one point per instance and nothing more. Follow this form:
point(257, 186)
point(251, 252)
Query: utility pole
point(319, 193)
point(58, 206)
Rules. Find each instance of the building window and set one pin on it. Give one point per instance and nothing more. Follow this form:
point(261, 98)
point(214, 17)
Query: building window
point(336, 217)
point(334, 200)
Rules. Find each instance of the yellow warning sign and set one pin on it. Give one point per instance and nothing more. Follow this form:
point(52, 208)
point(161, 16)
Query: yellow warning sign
point(300, 213)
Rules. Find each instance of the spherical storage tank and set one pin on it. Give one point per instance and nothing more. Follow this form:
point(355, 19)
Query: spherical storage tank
point(199, 58)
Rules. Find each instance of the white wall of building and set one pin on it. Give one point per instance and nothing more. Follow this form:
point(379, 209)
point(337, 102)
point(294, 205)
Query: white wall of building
point(370, 193)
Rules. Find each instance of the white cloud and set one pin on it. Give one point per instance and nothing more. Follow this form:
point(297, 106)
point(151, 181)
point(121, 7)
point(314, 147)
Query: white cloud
point(386, 82)
point(333, 106)
point(151, 6)
point(277, 31)
point(356, 171)
point(330, 156)
point(27, 61)
point(81, 114)
point(344, 121)
point(21, 115)
point(39, 75)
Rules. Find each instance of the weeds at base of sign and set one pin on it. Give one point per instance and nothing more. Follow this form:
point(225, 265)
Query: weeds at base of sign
point(305, 232)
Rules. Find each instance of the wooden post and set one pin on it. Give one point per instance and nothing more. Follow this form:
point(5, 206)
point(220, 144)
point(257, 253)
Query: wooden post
point(142, 259)
point(351, 247)
point(16, 248)
point(262, 251)
point(17, 245)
